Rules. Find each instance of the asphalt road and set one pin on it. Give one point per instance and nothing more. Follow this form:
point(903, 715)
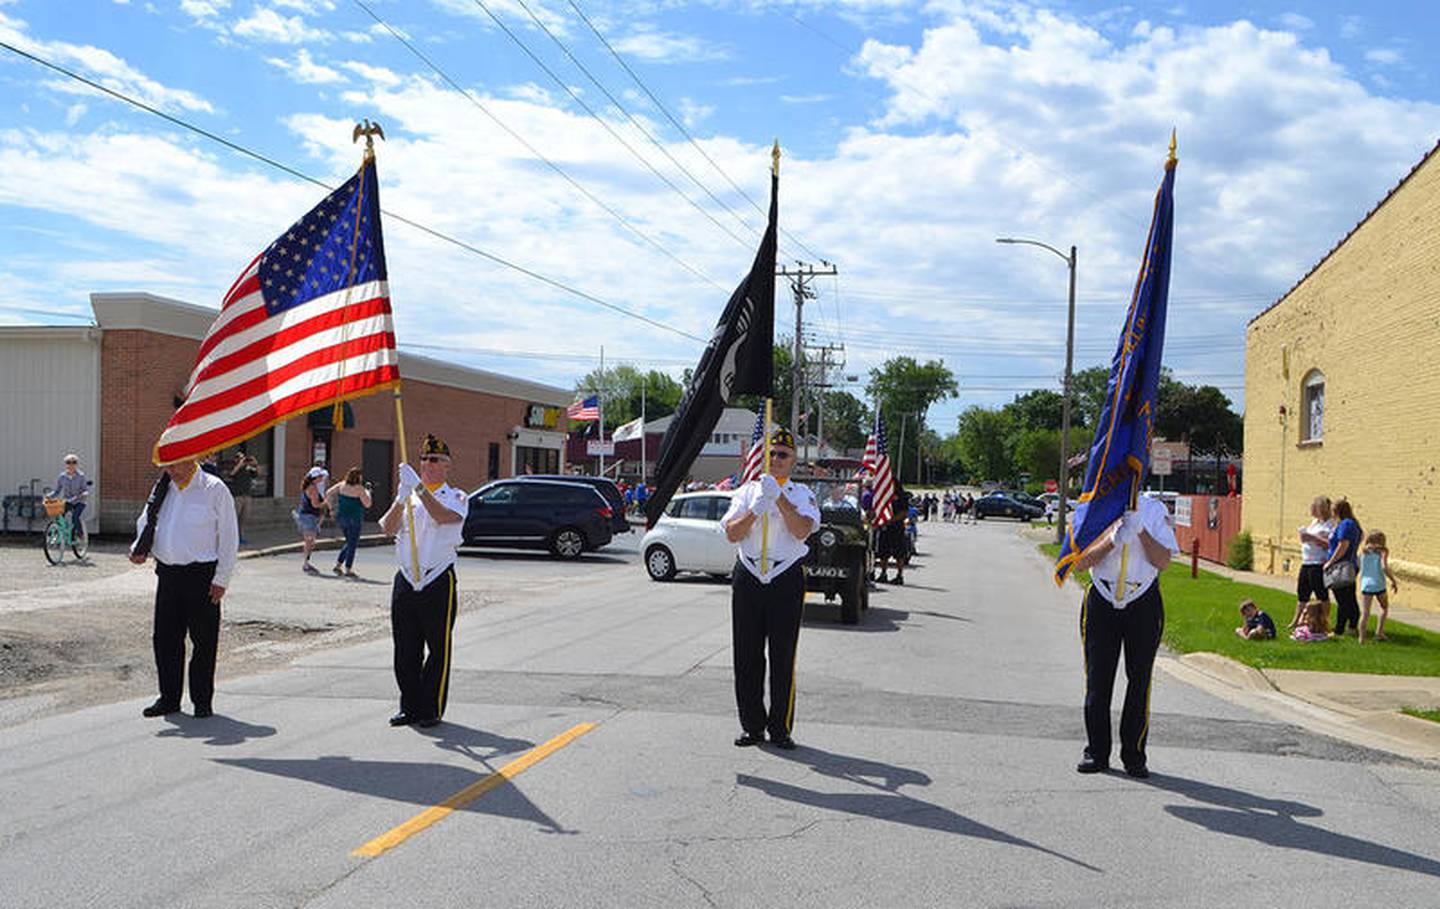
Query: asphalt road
point(938, 741)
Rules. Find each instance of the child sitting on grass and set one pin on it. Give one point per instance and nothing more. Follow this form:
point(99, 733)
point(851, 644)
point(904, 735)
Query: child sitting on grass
point(1258, 624)
point(1374, 569)
point(1314, 623)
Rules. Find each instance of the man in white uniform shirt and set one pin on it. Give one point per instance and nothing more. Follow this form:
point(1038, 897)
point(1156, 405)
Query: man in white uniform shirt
point(422, 609)
point(767, 601)
point(189, 527)
point(1128, 615)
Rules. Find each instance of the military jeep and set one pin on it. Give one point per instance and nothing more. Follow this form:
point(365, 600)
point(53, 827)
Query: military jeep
point(841, 554)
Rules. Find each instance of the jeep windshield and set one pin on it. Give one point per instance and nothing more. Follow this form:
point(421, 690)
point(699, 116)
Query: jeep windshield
point(839, 500)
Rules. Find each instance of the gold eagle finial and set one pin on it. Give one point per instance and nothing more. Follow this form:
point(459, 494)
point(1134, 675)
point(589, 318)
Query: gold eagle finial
point(775, 158)
point(369, 131)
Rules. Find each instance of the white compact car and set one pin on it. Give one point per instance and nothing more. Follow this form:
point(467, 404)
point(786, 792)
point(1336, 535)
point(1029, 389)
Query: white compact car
point(688, 537)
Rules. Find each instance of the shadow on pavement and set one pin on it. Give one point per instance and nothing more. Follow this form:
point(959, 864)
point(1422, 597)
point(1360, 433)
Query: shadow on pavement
point(895, 807)
point(876, 774)
point(540, 555)
point(1273, 822)
point(876, 618)
point(217, 729)
point(471, 742)
point(414, 782)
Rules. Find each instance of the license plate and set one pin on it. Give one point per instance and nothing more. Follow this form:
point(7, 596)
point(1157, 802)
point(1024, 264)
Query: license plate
point(827, 571)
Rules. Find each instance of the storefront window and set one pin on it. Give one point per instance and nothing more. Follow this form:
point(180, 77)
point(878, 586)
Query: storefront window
point(262, 449)
point(529, 460)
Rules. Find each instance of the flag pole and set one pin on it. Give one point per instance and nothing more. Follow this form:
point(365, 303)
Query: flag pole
point(1170, 161)
point(370, 131)
point(765, 518)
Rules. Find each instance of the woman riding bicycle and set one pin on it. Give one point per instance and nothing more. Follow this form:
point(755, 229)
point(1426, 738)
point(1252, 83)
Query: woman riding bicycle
point(74, 488)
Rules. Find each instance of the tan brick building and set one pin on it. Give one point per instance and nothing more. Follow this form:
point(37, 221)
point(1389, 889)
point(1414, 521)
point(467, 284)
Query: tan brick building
point(1341, 378)
point(105, 391)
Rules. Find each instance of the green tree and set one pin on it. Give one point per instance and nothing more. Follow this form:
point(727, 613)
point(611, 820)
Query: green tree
point(620, 388)
point(1200, 413)
point(982, 441)
point(1042, 408)
point(1088, 386)
point(847, 420)
point(905, 390)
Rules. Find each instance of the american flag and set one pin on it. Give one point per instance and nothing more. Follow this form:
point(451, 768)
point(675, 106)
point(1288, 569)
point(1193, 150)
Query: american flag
point(877, 464)
point(588, 409)
point(307, 324)
point(753, 464)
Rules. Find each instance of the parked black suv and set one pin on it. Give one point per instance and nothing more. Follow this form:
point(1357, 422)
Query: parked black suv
point(566, 518)
point(606, 487)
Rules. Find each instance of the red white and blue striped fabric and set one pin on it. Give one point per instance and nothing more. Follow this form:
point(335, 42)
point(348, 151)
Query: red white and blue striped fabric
point(754, 462)
point(877, 463)
point(307, 324)
point(588, 409)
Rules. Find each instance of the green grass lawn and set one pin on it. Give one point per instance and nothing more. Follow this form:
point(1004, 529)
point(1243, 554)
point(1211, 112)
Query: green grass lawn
point(1201, 615)
point(1431, 715)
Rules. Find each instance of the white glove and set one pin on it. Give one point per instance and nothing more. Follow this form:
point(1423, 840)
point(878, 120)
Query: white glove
point(409, 479)
point(769, 487)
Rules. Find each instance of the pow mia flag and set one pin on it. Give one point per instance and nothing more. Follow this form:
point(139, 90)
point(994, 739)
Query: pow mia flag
point(739, 360)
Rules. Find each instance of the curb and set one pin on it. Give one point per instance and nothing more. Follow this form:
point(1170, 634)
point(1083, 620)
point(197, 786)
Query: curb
point(321, 545)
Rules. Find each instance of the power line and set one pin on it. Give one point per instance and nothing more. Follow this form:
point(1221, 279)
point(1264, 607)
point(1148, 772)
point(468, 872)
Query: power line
point(607, 127)
point(494, 118)
point(683, 130)
point(249, 153)
point(578, 357)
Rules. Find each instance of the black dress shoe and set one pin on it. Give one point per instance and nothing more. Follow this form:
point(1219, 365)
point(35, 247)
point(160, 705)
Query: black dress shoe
point(160, 708)
point(428, 722)
point(1139, 771)
point(783, 742)
point(402, 719)
point(747, 740)
point(203, 712)
point(1089, 765)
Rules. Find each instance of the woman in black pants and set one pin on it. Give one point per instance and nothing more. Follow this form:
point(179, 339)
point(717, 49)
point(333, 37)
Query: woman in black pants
point(1314, 550)
point(1344, 560)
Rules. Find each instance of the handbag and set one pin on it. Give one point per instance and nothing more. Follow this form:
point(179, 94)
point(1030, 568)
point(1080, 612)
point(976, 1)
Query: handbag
point(1341, 574)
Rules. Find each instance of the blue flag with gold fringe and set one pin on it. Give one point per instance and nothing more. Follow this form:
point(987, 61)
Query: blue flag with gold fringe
point(1120, 452)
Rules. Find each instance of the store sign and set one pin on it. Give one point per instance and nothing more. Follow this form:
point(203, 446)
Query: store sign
point(596, 447)
point(1182, 511)
point(539, 416)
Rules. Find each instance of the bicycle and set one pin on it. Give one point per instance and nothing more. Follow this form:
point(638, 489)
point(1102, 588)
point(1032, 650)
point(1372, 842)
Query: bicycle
point(61, 534)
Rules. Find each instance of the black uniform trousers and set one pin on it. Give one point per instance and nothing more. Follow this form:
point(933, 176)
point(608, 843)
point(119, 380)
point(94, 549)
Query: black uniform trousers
point(182, 604)
point(766, 616)
point(1104, 632)
point(421, 623)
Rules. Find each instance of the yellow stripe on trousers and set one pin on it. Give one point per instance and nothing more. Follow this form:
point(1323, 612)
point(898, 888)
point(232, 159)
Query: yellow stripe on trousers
point(433, 815)
point(449, 633)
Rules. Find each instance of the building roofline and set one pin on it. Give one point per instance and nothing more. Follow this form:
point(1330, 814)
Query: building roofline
point(49, 331)
point(143, 311)
point(1345, 239)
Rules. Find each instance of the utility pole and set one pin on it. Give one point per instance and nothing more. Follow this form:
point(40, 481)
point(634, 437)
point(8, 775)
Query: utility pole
point(800, 277)
point(824, 363)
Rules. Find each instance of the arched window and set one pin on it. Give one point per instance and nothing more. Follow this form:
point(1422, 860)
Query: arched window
point(1312, 412)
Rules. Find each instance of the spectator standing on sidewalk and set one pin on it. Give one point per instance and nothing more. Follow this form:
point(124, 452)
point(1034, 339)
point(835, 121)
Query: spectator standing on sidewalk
point(242, 483)
point(74, 488)
point(1342, 565)
point(348, 502)
point(308, 512)
point(1374, 569)
point(1314, 549)
point(188, 525)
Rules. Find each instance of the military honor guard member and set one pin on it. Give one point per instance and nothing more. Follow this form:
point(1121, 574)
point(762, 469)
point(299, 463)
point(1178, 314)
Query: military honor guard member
point(189, 526)
point(766, 602)
point(422, 609)
point(1129, 617)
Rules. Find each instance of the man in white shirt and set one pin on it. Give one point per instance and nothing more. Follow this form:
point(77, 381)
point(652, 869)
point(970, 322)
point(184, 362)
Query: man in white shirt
point(189, 527)
point(767, 600)
point(422, 609)
point(1123, 612)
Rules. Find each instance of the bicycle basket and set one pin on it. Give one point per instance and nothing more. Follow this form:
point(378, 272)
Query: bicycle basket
point(54, 507)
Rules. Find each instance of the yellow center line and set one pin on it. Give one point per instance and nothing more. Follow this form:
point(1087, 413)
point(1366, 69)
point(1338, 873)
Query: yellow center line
point(436, 813)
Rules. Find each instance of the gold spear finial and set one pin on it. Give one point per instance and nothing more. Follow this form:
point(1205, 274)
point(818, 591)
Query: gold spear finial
point(369, 131)
point(775, 159)
point(1170, 161)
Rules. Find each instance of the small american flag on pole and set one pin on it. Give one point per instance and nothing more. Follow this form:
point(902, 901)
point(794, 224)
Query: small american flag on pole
point(588, 409)
point(877, 464)
point(307, 324)
point(754, 462)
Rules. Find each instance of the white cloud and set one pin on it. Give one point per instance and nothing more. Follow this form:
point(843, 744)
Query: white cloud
point(305, 70)
point(265, 24)
point(1384, 56)
point(1295, 22)
point(1351, 27)
point(693, 112)
point(655, 46)
point(742, 81)
point(819, 98)
point(103, 66)
point(74, 112)
point(204, 10)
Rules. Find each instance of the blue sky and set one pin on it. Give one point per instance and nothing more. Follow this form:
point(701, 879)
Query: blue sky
point(915, 133)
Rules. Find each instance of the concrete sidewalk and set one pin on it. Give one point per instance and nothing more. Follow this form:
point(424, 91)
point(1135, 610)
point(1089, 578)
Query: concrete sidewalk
point(267, 541)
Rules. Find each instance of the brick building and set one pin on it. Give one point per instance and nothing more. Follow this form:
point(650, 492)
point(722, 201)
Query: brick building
point(105, 391)
point(1340, 376)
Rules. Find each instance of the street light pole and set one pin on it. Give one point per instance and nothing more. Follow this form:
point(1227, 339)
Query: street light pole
point(1070, 261)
